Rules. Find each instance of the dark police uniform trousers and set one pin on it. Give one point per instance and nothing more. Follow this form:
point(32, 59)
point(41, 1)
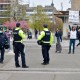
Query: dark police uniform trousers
point(19, 49)
point(2, 54)
point(45, 52)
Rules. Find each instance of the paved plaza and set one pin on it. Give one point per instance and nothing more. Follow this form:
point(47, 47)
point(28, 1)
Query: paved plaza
point(63, 66)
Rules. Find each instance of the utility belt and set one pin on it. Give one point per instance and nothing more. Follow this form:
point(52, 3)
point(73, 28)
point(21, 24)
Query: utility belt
point(17, 41)
point(45, 43)
point(20, 42)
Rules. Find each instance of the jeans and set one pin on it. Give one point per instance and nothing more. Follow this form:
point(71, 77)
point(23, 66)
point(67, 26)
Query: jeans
point(61, 38)
point(72, 42)
point(58, 39)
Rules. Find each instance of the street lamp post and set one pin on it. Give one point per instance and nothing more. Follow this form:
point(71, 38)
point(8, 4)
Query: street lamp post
point(53, 21)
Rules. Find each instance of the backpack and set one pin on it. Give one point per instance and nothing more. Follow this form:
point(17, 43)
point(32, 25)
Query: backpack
point(2, 41)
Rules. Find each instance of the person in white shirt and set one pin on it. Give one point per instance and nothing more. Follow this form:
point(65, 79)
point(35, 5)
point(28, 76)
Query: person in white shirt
point(73, 36)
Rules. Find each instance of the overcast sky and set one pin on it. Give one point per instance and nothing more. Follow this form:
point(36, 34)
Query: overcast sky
point(57, 3)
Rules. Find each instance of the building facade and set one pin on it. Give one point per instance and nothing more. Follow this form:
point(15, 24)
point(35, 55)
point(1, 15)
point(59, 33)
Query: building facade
point(75, 4)
point(11, 8)
point(4, 4)
point(8, 8)
point(49, 10)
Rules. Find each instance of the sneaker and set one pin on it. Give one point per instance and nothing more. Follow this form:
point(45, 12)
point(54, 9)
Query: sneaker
point(25, 66)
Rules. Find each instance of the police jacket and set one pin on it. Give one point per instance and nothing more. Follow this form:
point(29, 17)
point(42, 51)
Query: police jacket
point(18, 35)
point(46, 36)
point(3, 40)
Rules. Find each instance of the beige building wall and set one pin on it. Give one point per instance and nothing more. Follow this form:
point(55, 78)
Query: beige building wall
point(75, 5)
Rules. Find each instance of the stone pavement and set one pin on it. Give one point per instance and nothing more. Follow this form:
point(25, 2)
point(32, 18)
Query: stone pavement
point(63, 66)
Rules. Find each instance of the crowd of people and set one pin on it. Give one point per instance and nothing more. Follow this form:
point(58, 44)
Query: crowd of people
point(45, 40)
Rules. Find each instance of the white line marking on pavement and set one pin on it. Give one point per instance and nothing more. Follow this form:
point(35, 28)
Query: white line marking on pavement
point(42, 70)
point(39, 72)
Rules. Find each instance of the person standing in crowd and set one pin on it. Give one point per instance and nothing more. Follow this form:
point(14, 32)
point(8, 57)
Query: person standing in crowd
point(57, 34)
point(8, 34)
point(45, 39)
point(36, 33)
point(61, 33)
point(29, 34)
point(78, 36)
point(73, 36)
point(18, 36)
point(3, 40)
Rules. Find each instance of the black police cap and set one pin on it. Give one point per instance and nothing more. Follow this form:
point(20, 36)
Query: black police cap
point(17, 24)
point(45, 25)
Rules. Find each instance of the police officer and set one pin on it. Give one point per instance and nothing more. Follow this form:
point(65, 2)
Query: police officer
point(45, 39)
point(18, 36)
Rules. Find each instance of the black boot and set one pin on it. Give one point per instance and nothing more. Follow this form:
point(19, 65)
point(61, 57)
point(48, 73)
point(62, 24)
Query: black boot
point(25, 66)
point(1, 61)
point(17, 65)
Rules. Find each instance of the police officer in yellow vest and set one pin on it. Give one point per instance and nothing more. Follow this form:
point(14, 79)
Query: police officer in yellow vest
point(45, 39)
point(18, 36)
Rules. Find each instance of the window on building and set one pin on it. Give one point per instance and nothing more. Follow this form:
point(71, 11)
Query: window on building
point(1, 7)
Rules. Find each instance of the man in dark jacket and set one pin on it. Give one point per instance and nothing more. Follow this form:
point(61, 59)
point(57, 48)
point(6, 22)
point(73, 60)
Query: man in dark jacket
point(78, 34)
point(61, 33)
point(57, 34)
point(3, 40)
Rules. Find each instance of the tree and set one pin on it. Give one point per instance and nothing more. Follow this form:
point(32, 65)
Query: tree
point(39, 18)
point(3, 20)
point(59, 23)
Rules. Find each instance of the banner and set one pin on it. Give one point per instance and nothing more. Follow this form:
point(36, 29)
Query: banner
point(74, 16)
